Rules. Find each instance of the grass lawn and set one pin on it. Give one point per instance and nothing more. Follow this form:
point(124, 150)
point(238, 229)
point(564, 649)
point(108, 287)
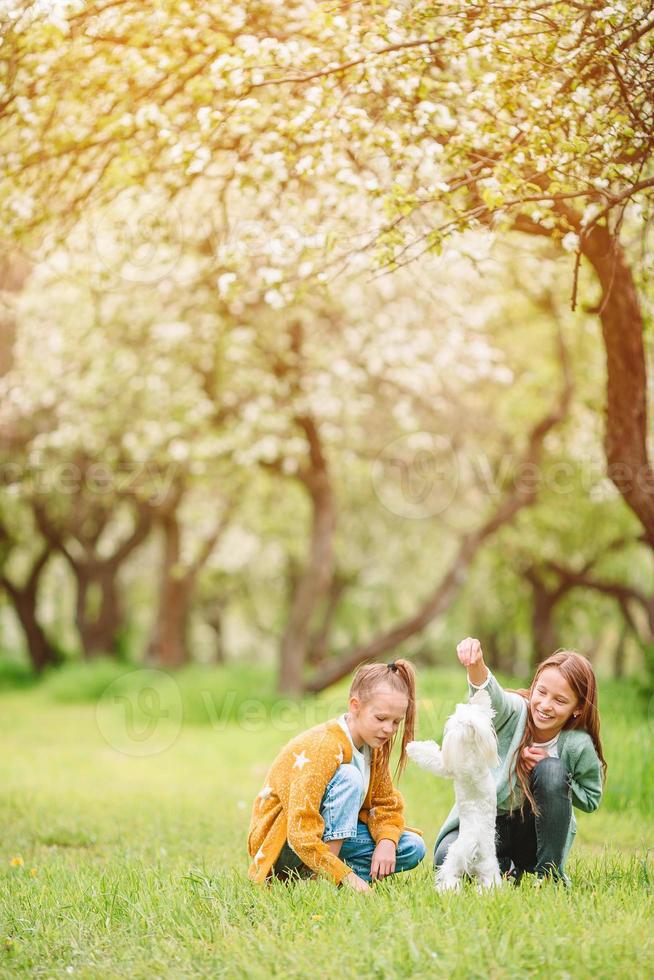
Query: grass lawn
point(114, 864)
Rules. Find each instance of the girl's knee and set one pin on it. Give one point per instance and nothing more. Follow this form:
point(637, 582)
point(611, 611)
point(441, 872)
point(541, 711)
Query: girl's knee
point(346, 779)
point(410, 850)
point(341, 802)
point(550, 773)
point(440, 852)
point(418, 849)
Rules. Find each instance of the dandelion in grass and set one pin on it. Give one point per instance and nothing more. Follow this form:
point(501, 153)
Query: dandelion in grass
point(17, 861)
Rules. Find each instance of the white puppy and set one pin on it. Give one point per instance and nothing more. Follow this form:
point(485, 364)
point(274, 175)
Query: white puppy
point(469, 753)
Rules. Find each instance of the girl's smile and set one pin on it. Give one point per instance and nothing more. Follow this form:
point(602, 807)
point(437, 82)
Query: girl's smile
point(552, 703)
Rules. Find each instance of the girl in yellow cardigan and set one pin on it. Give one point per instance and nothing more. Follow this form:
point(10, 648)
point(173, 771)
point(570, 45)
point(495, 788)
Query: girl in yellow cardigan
point(328, 805)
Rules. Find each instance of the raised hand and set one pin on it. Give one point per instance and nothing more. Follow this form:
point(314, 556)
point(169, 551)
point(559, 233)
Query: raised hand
point(469, 652)
point(471, 656)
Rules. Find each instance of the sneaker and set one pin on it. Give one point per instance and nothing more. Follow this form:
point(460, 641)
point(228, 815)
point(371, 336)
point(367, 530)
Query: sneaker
point(543, 880)
point(550, 872)
point(512, 874)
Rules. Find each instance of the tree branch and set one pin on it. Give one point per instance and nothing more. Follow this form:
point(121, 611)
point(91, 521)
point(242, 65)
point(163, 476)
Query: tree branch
point(522, 495)
point(617, 590)
point(345, 65)
point(211, 542)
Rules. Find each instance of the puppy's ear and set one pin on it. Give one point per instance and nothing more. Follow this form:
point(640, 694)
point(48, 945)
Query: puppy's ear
point(456, 747)
point(486, 746)
point(481, 699)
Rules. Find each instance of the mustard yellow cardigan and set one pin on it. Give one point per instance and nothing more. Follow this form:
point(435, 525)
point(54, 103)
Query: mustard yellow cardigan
point(288, 806)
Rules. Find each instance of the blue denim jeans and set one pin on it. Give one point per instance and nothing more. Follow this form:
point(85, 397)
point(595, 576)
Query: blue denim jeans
point(533, 843)
point(340, 811)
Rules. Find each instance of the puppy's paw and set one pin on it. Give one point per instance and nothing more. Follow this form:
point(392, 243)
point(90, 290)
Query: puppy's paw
point(427, 755)
point(446, 884)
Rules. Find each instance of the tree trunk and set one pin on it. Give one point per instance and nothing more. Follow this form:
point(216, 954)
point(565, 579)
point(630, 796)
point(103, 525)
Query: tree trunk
point(314, 582)
point(214, 619)
point(98, 630)
point(25, 600)
point(14, 272)
point(620, 654)
point(41, 653)
point(499, 655)
point(168, 645)
point(626, 415)
point(319, 642)
point(492, 655)
point(625, 437)
point(509, 658)
point(545, 640)
point(95, 577)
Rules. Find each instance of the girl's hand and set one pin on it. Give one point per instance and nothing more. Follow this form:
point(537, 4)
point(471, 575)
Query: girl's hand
point(355, 883)
point(533, 755)
point(469, 652)
point(383, 860)
point(471, 656)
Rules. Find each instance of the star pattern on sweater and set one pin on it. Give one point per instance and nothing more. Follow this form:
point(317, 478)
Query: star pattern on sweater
point(319, 749)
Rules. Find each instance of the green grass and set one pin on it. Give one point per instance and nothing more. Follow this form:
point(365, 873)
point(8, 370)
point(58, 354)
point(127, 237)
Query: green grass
point(140, 870)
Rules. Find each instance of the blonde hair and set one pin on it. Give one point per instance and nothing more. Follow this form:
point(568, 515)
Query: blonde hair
point(399, 675)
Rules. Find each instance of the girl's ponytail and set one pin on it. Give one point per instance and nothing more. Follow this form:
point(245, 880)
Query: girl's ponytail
point(401, 676)
point(406, 670)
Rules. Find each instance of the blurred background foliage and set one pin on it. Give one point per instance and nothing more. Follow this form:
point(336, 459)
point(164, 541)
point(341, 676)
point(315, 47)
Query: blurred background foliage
point(249, 424)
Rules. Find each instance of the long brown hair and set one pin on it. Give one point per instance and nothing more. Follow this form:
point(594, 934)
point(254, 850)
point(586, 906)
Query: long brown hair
point(579, 674)
point(401, 676)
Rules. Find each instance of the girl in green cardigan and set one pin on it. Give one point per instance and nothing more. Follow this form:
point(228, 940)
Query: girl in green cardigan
point(550, 760)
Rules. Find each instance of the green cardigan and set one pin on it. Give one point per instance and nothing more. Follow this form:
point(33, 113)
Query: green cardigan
point(575, 748)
